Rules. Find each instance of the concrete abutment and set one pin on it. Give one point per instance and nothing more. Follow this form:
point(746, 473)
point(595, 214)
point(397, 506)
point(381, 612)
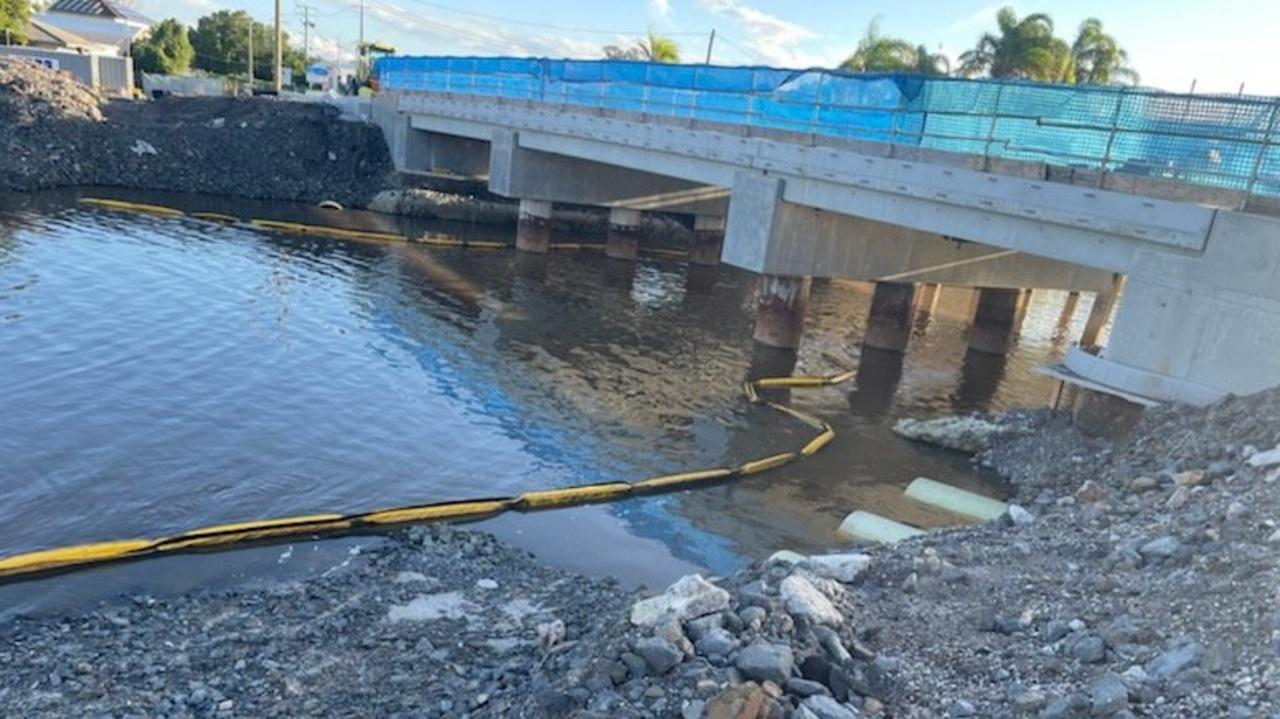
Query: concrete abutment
point(622, 241)
point(533, 229)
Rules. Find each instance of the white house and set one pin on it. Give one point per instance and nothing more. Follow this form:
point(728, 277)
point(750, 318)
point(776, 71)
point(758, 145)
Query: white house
point(107, 24)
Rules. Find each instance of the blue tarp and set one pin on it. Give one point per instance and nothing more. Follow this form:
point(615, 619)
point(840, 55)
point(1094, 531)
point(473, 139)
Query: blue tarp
point(1223, 141)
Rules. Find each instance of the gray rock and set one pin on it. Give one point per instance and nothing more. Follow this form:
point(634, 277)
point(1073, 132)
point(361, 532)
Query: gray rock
point(1020, 516)
point(804, 600)
point(636, 665)
point(1029, 700)
point(766, 662)
point(698, 628)
point(824, 707)
point(804, 687)
point(1107, 695)
point(962, 708)
point(716, 643)
point(840, 567)
point(660, 655)
point(691, 596)
point(1068, 706)
point(753, 615)
point(1087, 648)
point(1175, 660)
point(1161, 548)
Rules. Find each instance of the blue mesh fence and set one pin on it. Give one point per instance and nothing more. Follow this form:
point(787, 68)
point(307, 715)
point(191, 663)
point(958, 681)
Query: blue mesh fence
point(1221, 141)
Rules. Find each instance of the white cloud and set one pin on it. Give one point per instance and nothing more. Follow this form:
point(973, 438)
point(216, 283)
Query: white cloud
point(773, 39)
point(481, 38)
point(661, 8)
point(984, 18)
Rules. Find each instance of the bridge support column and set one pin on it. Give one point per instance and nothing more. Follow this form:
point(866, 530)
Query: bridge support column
point(997, 319)
point(927, 299)
point(623, 240)
point(1104, 304)
point(708, 240)
point(781, 303)
point(1068, 311)
point(889, 325)
point(533, 229)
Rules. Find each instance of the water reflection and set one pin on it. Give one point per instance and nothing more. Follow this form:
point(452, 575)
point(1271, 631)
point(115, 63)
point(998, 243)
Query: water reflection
point(240, 374)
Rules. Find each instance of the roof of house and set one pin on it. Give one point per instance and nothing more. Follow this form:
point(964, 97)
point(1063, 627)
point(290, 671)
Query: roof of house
point(42, 33)
point(100, 8)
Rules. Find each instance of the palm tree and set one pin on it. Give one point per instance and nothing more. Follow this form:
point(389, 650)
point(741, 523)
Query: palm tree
point(1023, 48)
point(652, 48)
point(1099, 59)
point(931, 63)
point(881, 53)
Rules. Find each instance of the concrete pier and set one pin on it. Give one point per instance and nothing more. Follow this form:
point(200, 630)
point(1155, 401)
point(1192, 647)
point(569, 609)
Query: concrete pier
point(708, 240)
point(623, 240)
point(1104, 304)
point(1068, 311)
point(889, 325)
point(997, 319)
point(927, 294)
point(533, 229)
point(781, 303)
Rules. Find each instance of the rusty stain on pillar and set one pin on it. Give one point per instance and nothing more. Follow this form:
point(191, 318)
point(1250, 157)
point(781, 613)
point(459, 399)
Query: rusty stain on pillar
point(623, 240)
point(889, 324)
point(533, 228)
point(708, 240)
point(781, 303)
point(997, 319)
point(1103, 305)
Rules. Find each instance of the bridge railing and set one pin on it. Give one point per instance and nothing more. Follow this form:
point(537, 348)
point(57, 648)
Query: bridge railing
point(1230, 142)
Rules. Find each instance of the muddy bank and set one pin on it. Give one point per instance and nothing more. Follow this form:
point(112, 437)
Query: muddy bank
point(1140, 580)
point(58, 133)
point(55, 132)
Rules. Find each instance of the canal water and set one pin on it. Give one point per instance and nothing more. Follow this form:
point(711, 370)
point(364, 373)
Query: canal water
point(161, 374)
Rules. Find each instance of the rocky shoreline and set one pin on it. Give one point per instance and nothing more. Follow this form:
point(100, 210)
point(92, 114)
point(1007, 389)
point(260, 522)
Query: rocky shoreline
point(1137, 578)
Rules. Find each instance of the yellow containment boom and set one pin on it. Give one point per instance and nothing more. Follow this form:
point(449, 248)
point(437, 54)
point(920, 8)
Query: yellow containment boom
point(225, 536)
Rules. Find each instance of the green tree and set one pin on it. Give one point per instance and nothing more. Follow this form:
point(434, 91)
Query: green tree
point(1098, 57)
point(881, 53)
point(166, 50)
point(13, 20)
point(1021, 48)
point(221, 44)
point(652, 47)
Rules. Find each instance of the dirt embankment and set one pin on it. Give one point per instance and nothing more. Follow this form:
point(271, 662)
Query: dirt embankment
point(55, 132)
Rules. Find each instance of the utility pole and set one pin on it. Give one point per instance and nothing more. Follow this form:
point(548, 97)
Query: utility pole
point(251, 56)
point(360, 46)
point(710, 44)
point(279, 82)
point(306, 33)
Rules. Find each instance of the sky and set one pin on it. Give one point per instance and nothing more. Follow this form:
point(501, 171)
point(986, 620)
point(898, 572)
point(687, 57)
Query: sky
point(1170, 42)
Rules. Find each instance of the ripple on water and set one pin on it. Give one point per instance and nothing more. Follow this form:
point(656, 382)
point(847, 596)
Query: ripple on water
point(167, 374)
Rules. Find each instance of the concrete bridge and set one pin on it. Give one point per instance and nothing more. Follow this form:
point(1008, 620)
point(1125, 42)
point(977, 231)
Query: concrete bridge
point(794, 182)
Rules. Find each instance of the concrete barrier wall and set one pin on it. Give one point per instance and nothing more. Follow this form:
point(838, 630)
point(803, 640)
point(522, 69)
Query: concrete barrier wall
point(107, 74)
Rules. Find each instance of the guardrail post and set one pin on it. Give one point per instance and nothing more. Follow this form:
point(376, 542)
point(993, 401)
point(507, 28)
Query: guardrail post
point(991, 129)
point(1262, 150)
point(817, 105)
point(1111, 137)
